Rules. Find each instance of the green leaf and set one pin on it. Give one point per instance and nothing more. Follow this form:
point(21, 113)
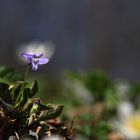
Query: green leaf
point(28, 106)
point(44, 107)
point(15, 89)
point(51, 113)
point(5, 93)
point(34, 89)
point(23, 99)
point(34, 109)
point(8, 108)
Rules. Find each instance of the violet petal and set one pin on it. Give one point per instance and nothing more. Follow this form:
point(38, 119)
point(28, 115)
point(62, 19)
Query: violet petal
point(42, 61)
point(34, 65)
point(27, 57)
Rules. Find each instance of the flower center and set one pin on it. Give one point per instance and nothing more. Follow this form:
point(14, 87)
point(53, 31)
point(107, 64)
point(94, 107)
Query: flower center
point(35, 60)
point(133, 124)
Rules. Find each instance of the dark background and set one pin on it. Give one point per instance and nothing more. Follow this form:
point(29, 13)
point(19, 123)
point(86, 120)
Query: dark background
point(88, 34)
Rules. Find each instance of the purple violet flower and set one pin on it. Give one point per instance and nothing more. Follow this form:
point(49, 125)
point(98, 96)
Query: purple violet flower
point(36, 102)
point(35, 59)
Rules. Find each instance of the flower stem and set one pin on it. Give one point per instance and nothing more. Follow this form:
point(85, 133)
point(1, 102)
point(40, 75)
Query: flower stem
point(23, 85)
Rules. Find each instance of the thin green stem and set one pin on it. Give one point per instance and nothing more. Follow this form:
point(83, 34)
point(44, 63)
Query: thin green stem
point(23, 85)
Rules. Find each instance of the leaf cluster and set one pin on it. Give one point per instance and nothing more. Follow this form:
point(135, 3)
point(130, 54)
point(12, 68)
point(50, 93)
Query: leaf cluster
point(20, 111)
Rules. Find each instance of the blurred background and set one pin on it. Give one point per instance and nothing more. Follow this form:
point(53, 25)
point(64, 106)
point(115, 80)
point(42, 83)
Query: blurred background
point(98, 42)
point(86, 34)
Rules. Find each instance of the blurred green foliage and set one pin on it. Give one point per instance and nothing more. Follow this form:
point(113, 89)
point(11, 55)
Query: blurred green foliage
point(9, 75)
point(92, 129)
point(99, 84)
point(102, 89)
